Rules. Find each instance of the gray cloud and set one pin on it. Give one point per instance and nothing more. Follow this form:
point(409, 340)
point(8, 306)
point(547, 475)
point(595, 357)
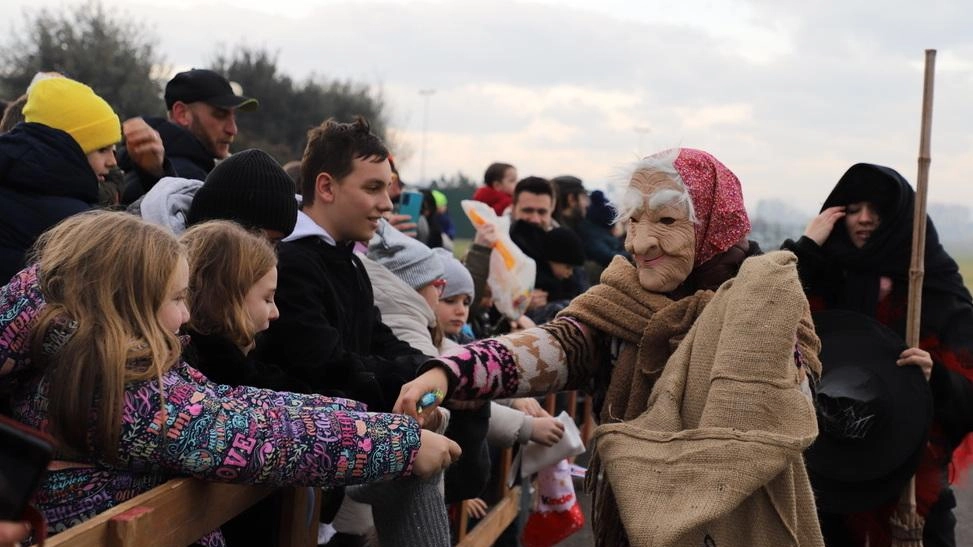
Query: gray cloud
point(788, 95)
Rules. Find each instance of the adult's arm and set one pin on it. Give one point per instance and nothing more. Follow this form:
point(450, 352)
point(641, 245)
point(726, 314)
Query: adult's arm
point(559, 355)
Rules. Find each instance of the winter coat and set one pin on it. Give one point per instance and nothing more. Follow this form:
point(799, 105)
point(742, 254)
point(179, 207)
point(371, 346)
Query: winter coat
point(167, 203)
point(222, 362)
point(186, 157)
point(494, 198)
point(330, 334)
point(403, 309)
point(839, 275)
point(44, 178)
point(211, 431)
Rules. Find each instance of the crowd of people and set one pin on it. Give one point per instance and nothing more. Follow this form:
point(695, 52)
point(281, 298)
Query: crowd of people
point(175, 308)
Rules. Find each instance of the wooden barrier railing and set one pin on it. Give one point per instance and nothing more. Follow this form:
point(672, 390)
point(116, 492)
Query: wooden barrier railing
point(181, 511)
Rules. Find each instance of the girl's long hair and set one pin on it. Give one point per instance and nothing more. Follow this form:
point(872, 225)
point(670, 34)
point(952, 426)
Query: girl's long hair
point(225, 261)
point(104, 276)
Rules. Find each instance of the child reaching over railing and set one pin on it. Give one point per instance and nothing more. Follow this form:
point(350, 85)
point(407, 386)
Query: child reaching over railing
point(90, 353)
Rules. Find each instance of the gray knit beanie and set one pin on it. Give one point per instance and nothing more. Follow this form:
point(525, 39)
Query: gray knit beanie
point(458, 278)
point(410, 260)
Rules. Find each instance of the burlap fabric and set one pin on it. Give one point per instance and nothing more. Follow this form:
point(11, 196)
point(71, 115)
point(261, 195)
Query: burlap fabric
point(717, 461)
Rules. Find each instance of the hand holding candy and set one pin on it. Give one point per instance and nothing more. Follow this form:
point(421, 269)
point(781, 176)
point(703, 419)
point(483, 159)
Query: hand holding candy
point(429, 399)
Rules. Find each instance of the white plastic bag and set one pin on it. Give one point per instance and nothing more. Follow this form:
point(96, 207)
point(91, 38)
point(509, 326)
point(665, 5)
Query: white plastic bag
point(512, 272)
point(534, 456)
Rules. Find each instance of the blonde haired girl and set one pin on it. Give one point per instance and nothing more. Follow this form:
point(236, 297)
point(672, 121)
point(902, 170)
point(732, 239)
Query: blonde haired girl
point(104, 298)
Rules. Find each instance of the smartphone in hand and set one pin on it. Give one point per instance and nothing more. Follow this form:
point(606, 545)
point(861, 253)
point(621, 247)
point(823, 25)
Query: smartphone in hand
point(410, 203)
point(24, 455)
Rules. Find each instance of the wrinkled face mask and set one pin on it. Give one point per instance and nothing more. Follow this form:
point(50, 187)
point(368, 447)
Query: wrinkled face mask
point(661, 236)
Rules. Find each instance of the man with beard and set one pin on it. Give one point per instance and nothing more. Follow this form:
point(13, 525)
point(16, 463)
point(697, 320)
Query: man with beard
point(200, 128)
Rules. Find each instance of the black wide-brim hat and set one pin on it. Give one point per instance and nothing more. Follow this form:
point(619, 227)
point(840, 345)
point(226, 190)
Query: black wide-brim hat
point(873, 415)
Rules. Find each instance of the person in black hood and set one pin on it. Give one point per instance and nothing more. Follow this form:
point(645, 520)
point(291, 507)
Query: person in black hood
point(200, 128)
point(855, 255)
point(52, 163)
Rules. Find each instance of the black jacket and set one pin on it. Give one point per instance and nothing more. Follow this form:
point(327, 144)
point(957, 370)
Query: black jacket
point(330, 333)
point(44, 178)
point(186, 157)
point(222, 362)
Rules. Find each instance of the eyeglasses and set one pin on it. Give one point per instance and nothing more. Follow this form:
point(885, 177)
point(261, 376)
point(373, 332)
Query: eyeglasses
point(440, 284)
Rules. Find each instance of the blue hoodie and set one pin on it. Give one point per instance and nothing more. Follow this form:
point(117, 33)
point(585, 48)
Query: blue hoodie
point(44, 178)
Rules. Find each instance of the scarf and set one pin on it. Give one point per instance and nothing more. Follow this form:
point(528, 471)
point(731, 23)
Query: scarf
point(652, 325)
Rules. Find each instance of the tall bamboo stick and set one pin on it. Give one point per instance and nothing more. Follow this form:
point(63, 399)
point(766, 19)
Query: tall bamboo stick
point(907, 503)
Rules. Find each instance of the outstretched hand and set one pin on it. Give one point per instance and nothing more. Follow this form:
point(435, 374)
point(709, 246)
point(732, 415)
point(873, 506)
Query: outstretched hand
point(820, 227)
point(529, 406)
point(436, 453)
point(919, 358)
point(433, 380)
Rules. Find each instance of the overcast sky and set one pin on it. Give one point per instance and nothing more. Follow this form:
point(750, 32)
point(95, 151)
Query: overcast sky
point(787, 94)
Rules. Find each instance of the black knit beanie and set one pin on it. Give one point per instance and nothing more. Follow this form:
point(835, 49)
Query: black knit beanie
point(564, 246)
point(251, 188)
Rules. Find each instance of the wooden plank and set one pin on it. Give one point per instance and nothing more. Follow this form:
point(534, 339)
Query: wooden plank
point(588, 421)
point(486, 532)
point(299, 517)
point(464, 520)
point(572, 403)
point(173, 514)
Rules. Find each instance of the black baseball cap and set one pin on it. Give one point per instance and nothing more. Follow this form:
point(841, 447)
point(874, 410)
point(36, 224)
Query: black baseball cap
point(207, 86)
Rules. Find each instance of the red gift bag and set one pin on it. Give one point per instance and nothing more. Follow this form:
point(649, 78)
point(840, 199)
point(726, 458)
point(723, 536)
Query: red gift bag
point(557, 514)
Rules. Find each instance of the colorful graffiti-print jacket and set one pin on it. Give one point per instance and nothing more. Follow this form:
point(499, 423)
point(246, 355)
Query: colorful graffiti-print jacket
point(209, 431)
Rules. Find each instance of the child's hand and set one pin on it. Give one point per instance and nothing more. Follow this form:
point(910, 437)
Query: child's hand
point(476, 508)
point(432, 420)
point(529, 407)
point(433, 380)
point(436, 453)
point(547, 431)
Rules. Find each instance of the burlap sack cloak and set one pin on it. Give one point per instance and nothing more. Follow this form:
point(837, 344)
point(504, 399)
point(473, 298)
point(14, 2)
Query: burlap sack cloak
point(716, 461)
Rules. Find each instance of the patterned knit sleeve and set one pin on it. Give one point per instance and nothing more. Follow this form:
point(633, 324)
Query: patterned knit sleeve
point(265, 397)
point(555, 356)
point(20, 303)
point(276, 438)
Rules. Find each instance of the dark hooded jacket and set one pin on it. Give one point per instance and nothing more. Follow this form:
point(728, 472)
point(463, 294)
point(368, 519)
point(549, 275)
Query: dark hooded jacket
point(44, 178)
point(186, 157)
point(839, 275)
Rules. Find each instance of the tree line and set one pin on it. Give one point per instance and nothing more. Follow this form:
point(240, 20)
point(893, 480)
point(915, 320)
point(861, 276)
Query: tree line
point(117, 56)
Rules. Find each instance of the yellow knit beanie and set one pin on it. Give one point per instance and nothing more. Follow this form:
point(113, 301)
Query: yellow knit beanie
point(74, 108)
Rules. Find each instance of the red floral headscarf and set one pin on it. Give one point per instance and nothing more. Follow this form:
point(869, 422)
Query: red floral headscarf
point(721, 218)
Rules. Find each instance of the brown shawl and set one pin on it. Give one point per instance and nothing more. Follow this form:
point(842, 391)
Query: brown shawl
point(651, 323)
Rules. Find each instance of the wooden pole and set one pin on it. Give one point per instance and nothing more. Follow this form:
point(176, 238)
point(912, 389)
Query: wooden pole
point(907, 504)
